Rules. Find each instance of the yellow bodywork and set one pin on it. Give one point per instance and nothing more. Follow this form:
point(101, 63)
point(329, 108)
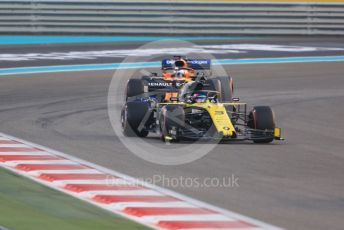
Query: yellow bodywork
point(219, 116)
point(277, 133)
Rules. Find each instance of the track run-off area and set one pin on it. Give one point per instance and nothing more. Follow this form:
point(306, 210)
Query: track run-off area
point(294, 184)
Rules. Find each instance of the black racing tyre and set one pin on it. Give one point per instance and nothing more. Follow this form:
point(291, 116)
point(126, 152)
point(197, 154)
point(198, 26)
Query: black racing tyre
point(172, 117)
point(132, 115)
point(134, 88)
point(262, 118)
point(147, 78)
point(227, 89)
point(212, 84)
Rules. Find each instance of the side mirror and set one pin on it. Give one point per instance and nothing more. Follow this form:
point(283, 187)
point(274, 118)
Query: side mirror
point(236, 99)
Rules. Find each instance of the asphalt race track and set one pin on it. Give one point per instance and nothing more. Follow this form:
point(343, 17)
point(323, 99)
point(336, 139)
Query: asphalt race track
point(295, 184)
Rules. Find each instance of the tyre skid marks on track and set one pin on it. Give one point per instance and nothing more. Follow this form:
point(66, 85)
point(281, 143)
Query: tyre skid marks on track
point(149, 205)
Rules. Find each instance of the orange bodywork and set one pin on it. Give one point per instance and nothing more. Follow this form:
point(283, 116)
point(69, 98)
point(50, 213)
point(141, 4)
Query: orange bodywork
point(188, 75)
point(169, 95)
point(182, 65)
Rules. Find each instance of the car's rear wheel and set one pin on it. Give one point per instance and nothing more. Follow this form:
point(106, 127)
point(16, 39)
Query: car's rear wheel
point(172, 120)
point(227, 89)
point(133, 118)
point(262, 118)
point(213, 84)
point(135, 87)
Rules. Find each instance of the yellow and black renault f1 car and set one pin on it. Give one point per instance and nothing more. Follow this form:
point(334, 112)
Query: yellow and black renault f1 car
point(198, 113)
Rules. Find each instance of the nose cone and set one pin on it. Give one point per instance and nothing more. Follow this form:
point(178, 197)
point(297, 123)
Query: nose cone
point(221, 120)
point(227, 132)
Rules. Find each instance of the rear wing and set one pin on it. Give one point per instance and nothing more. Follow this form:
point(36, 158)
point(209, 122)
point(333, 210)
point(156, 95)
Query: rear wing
point(196, 64)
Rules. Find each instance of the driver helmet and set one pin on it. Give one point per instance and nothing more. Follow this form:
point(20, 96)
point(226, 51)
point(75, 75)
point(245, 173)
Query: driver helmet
point(181, 63)
point(180, 73)
point(199, 97)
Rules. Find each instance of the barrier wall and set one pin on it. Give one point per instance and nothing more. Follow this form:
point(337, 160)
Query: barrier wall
point(167, 17)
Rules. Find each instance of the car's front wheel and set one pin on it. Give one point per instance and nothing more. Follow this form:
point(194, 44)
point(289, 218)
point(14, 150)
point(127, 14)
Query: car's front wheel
point(133, 119)
point(262, 118)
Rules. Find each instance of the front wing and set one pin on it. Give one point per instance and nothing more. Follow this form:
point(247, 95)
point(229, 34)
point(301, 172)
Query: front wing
point(249, 134)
